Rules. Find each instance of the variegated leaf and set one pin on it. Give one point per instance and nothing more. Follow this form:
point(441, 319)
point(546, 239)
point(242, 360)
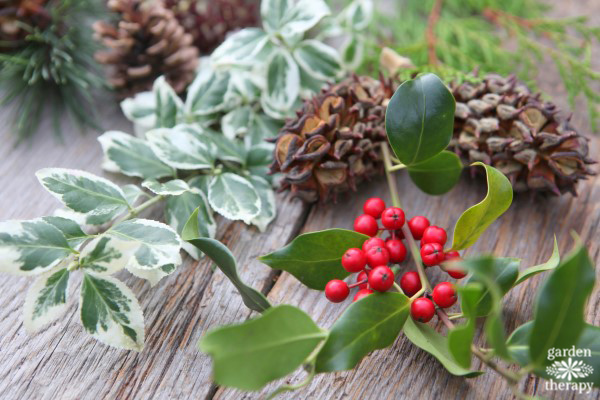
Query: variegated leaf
point(174, 187)
point(240, 48)
point(180, 149)
point(31, 247)
point(234, 197)
point(169, 106)
point(282, 84)
point(301, 17)
point(110, 312)
point(106, 254)
point(320, 60)
point(359, 14)
point(141, 110)
point(71, 230)
point(206, 94)
point(133, 193)
point(46, 299)
point(235, 123)
point(272, 12)
point(268, 210)
point(153, 275)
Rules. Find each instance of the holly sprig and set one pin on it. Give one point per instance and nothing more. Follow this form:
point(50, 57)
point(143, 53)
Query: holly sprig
point(284, 338)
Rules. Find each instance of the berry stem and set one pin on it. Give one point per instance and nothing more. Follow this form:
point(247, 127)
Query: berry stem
point(417, 295)
point(398, 288)
point(357, 284)
point(414, 249)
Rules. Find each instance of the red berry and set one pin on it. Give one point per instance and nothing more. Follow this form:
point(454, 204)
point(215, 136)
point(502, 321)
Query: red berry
point(417, 226)
point(444, 294)
point(381, 278)
point(362, 293)
point(375, 241)
point(392, 218)
point(377, 255)
point(456, 273)
point(366, 225)
point(354, 260)
point(451, 255)
point(374, 207)
point(432, 254)
point(396, 249)
point(336, 291)
point(410, 283)
point(362, 276)
point(434, 234)
point(422, 309)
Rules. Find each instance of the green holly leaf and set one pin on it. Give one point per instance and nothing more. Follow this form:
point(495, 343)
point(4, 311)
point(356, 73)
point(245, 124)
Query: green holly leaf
point(371, 323)
point(419, 119)
point(97, 198)
point(315, 258)
point(221, 255)
point(46, 299)
point(426, 338)
point(110, 312)
point(31, 247)
point(437, 175)
point(474, 221)
point(234, 197)
point(559, 311)
point(460, 338)
point(271, 346)
point(131, 156)
point(552, 263)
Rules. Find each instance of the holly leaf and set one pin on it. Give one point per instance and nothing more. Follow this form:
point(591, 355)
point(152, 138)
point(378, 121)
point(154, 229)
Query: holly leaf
point(371, 323)
point(559, 311)
point(98, 198)
point(173, 187)
point(271, 345)
point(474, 221)
point(419, 119)
point(31, 247)
point(437, 175)
point(460, 338)
point(426, 338)
point(552, 263)
point(110, 312)
point(234, 197)
point(46, 299)
point(180, 148)
point(318, 59)
point(315, 258)
point(221, 255)
point(131, 156)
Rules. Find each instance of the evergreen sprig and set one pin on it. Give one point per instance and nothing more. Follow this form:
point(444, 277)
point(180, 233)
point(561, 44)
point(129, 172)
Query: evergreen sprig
point(453, 37)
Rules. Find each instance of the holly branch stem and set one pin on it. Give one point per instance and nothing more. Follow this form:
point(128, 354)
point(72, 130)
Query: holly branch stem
point(414, 249)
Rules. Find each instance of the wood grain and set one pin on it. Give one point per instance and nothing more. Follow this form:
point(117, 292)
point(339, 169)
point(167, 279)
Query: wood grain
point(63, 362)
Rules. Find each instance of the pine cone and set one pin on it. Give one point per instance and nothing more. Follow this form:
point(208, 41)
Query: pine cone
point(209, 21)
point(14, 15)
point(147, 42)
point(501, 123)
point(334, 142)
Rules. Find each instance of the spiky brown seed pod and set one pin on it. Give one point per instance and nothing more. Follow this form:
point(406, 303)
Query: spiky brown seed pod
point(209, 21)
point(16, 17)
point(146, 42)
point(501, 123)
point(334, 143)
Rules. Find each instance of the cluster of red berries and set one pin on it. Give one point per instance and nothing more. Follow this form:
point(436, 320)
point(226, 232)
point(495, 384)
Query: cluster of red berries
point(371, 262)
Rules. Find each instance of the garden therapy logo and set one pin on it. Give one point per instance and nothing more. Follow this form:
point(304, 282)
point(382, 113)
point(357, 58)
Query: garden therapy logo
point(569, 370)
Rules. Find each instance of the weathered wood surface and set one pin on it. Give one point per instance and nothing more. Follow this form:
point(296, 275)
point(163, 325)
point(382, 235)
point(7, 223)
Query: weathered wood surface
point(63, 362)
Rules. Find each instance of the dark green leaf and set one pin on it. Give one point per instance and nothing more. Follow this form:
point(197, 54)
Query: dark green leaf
point(474, 221)
point(459, 342)
point(558, 319)
point(552, 263)
point(426, 338)
point(438, 174)
point(420, 119)
point(221, 255)
point(372, 323)
point(315, 258)
point(251, 354)
point(518, 343)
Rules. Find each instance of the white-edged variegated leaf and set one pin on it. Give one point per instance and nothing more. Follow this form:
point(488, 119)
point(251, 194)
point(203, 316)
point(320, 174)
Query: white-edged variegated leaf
point(240, 48)
point(272, 12)
point(169, 106)
point(110, 312)
point(141, 110)
point(283, 81)
point(206, 94)
point(268, 210)
point(46, 299)
point(352, 52)
point(301, 17)
point(152, 275)
point(234, 197)
point(201, 182)
point(98, 198)
point(133, 193)
point(320, 60)
point(259, 158)
point(70, 229)
point(178, 210)
point(309, 85)
point(158, 244)
point(131, 156)
point(358, 14)
point(235, 123)
point(224, 149)
point(180, 149)
point(244, 84)
point(261, 127)
point(107, 254)
point(174, 187)
point(31, 247)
